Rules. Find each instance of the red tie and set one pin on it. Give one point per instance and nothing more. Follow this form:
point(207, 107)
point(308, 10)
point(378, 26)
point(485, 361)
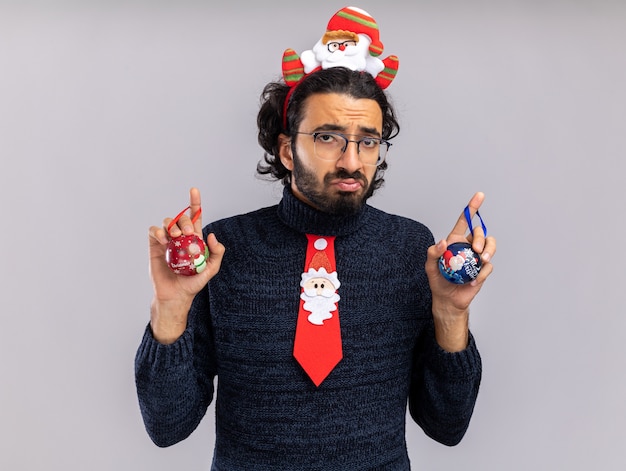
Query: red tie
point(317, 345)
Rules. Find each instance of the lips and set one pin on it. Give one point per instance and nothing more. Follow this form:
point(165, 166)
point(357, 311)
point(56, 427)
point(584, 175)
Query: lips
point(345, 181)
point(349, 185)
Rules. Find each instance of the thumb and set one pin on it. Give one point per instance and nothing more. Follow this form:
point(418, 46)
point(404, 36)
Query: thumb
point(216, 251)
point(437, 250)
point(432, 257)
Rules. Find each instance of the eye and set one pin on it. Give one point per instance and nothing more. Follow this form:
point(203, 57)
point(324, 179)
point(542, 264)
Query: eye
point(332, 47)
point(327, 138)
point(370, 143)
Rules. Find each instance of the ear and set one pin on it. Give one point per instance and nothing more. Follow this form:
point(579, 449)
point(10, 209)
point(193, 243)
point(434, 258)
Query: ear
point(284, 151)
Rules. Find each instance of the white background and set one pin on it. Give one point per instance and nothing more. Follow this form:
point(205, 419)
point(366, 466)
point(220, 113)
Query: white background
point(110, 111)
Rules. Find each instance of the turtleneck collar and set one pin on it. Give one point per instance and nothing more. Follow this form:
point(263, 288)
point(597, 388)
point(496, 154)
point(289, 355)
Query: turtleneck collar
point(304, 218)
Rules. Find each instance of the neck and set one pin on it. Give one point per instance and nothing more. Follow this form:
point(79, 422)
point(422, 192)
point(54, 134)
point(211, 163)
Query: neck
point(300, 215)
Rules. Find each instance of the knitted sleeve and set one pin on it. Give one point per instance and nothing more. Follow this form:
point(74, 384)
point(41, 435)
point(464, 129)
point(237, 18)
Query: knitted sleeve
point(444, 388)
point(175, 382)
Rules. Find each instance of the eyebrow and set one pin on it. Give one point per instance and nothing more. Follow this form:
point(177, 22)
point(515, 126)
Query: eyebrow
point(336, 127)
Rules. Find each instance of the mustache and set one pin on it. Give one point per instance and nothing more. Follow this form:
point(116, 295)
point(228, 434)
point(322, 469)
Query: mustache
point(311, 293)
point(345, 175)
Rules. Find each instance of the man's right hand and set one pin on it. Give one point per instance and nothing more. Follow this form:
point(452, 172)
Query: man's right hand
point(173, 294)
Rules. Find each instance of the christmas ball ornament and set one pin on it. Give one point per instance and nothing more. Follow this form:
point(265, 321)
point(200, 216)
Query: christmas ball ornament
point(460, 264)
point(187, 255)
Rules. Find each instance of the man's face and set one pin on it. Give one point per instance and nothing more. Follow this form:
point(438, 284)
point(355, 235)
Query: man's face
point(341, 186)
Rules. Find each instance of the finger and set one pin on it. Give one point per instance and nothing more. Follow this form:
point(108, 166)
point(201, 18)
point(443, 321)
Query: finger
point(433, 254)
point(461, 226)
point(485, 271)
point(181, 224)
point(478, 239)
point(195, 204)
point(215, 248)
point(490, 249)
point(437, 250)
point(158, 235)
point(184, 226)
point(216, 253)
point(172, 229)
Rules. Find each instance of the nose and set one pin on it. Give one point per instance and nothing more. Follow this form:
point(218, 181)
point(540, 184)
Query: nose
point(342, 47)
point(350, 160)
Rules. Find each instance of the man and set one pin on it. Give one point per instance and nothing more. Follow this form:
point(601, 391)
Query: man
point(321, 266)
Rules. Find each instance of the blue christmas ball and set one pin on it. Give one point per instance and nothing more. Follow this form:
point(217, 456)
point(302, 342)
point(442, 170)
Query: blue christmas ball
point(460, 264)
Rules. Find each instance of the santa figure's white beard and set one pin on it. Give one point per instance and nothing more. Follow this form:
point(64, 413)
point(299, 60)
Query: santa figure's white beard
point(456, 262)
point(351, 58)
point(320, 306)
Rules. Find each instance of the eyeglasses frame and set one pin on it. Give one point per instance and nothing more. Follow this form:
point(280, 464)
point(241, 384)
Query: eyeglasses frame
point(381, 142)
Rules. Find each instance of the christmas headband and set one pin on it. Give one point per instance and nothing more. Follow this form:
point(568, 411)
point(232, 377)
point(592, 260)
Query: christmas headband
point(351, 40)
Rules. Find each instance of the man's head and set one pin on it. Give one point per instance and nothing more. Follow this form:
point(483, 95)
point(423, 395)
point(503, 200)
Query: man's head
point(336, 99)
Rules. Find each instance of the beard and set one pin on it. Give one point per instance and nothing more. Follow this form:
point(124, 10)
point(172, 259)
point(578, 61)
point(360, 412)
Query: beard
point(343, 203)
point(321, 307)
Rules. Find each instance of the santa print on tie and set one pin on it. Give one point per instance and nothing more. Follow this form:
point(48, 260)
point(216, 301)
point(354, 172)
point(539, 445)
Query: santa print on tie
point(317, 345)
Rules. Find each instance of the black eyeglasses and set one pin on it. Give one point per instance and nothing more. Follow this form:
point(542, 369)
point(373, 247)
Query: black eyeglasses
point(336, 46)
point(330, 146)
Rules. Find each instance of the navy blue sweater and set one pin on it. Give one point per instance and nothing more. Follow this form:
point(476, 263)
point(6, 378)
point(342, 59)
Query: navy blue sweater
point(269, 414)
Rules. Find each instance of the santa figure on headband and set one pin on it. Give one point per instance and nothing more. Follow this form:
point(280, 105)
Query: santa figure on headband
point(351, 40)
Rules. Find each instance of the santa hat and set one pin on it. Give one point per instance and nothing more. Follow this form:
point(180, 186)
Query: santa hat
point(356, 20)
point(320, 267)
